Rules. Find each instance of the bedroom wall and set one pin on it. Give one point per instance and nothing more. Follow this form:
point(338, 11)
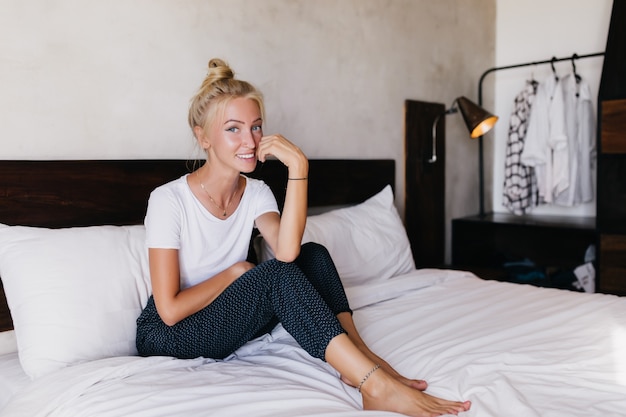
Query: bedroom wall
point(537, 30)
point(108, 80)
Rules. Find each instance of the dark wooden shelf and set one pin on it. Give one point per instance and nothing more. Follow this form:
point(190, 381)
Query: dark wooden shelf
point(484, 245)
point(548, 221)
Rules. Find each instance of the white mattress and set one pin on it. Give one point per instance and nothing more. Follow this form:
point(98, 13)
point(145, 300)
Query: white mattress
point(514, 351)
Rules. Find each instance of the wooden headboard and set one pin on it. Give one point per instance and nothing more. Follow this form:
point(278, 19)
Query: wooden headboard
point(59, 194)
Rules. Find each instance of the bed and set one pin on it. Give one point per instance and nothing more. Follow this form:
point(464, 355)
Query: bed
point(74, 271)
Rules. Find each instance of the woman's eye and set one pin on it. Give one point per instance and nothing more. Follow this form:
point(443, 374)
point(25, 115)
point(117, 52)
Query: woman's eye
point(232, 129)
point(256, 128)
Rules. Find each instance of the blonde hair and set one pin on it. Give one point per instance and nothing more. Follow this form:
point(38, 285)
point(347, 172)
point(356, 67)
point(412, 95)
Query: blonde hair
point(217, 89)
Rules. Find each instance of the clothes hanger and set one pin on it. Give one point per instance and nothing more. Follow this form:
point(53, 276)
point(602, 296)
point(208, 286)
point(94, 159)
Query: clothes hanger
point(532, 80)
point(552, 61)
point(578, 78)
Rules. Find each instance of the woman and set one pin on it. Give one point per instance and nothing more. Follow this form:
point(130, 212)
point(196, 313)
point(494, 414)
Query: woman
point(208, 300)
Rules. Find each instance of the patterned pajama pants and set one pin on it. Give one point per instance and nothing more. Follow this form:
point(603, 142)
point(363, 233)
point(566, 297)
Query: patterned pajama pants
point(305, 296)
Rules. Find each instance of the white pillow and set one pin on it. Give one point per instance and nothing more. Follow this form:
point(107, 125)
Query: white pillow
point(368, 242)
point(8, 344)
point(74, 293)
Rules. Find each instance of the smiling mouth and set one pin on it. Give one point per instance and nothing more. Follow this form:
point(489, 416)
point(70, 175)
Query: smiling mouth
point(246, 156)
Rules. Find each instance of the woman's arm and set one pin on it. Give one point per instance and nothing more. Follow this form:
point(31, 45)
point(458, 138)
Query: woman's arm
point(284, 233)
point(174, 304)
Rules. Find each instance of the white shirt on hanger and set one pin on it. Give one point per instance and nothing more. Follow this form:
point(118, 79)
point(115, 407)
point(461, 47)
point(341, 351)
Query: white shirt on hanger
point(545, 147)
point(580, 130)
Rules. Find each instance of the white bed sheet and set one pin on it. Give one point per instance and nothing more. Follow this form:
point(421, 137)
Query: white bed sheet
point(12, 377)
point(512, 350)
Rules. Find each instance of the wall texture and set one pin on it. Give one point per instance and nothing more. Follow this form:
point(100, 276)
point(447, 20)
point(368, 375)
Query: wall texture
point(94, 79)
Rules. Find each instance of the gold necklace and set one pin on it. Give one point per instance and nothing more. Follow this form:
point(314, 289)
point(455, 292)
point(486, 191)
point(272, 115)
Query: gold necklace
point(213, 201)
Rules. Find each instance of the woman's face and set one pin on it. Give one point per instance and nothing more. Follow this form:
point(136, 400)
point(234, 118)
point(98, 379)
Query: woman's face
point(234, 135)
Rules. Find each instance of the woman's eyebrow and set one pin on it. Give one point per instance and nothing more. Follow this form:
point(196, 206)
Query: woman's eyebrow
point(239, 121)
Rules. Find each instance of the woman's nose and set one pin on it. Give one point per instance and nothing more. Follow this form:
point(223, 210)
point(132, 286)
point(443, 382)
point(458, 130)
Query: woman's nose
point(248, 140)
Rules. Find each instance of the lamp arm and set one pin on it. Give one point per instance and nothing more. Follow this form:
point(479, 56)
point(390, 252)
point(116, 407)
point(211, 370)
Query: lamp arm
point(451, 110)
point(433, 157)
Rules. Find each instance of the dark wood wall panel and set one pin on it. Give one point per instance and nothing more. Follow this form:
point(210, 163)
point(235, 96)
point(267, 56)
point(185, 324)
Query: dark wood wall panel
point(613, 81)
point(612, 264)
point(613, 126)
point(425, 182)
point(611, 201)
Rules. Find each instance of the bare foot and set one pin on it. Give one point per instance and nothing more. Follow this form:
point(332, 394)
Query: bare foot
point(383, 392)
point(418, 384)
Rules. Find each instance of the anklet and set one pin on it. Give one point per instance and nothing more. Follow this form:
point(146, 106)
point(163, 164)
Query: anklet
point(367, 376)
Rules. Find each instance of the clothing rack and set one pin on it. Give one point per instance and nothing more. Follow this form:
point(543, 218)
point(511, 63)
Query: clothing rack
point(528, 64)
point(480, 103)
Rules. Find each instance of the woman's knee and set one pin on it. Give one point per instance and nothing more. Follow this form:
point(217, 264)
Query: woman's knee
point(314, 250)
point(273, 271)
point(262, 274)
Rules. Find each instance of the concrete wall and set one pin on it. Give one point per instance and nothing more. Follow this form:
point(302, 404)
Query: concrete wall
point(112, 79)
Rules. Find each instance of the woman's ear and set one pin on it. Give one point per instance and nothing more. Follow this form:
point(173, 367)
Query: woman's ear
point(201, 137)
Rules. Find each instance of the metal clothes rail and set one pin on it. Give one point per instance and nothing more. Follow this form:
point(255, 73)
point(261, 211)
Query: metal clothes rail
point(528, 64)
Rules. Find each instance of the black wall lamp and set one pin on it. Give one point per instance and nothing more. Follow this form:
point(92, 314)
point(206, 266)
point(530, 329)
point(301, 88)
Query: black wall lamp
point(478, 122)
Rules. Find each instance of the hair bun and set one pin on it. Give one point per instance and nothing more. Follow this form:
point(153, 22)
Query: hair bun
point(219, 70)
point(216, 62)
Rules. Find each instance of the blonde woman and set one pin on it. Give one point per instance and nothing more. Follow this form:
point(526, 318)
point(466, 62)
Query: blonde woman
point(208, 300)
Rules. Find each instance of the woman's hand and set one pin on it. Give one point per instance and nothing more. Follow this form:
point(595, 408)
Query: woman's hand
point(286, 152)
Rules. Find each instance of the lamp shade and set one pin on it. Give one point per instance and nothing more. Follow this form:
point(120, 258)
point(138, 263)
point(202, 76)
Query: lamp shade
point(478, 120)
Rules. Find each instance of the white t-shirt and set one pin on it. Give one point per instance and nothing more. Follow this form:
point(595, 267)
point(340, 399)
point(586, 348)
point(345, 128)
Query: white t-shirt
point(206, 245)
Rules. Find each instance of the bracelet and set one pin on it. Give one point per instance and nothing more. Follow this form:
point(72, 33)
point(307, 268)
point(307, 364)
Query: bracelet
point(367, 376)
point(297, 179)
